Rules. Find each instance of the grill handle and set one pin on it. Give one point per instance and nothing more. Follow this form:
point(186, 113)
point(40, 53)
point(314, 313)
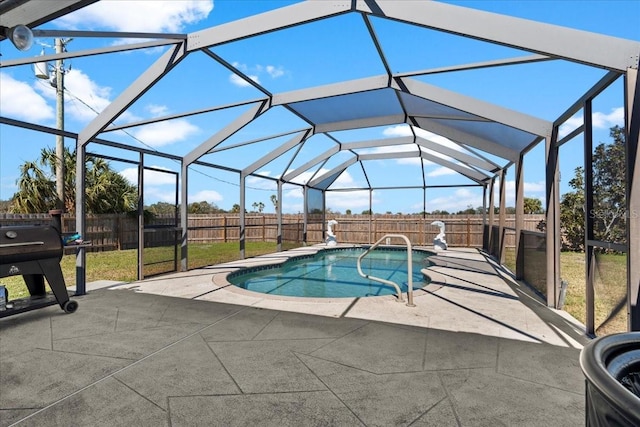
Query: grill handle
point(13, 245)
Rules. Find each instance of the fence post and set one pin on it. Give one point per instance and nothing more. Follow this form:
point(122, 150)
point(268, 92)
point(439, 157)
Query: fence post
point(119, 231)
point(263, 232)
point(224, 229)
point(375, 229)
point(468, 231)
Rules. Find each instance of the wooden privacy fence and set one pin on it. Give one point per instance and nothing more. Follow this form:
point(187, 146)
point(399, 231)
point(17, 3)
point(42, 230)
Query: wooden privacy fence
point(115, 232)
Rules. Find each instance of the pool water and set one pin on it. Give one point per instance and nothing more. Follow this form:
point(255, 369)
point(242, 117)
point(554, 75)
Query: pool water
point(333, 274)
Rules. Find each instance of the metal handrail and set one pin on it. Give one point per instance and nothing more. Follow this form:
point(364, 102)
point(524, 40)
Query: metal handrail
point(388, 282)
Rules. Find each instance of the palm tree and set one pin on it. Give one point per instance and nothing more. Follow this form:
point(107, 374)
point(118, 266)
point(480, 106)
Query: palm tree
point(36, 190)
point(106, 191)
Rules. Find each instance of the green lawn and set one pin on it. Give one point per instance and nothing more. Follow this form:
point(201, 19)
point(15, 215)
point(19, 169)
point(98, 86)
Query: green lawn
point(122, 265)
point(610, 289)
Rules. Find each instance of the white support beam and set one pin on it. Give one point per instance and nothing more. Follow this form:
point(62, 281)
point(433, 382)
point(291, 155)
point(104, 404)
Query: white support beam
point(495, 113)
point(559, 42)
point(305, 167)
point(455, 154)
point(284, 17)
point(335, 89)
point(341, 167)
point(386, 142)
point(153, 74)
point(472, 174)
point(468, 139)
point(275, 153)
point(390, 155)
point(475, 66)
point(219, 137)
point(360, 123)
point(34, 13)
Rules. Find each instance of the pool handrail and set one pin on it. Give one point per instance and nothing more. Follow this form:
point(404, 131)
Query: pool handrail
point(388, 282)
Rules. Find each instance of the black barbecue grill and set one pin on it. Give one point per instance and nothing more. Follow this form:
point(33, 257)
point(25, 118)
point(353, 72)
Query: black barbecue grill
point(35, 253)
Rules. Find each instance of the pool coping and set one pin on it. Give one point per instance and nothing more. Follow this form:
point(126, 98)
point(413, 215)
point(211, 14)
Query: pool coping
point(477, 300)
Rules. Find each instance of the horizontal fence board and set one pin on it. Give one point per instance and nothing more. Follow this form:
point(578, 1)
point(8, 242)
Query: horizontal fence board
point(119, 231)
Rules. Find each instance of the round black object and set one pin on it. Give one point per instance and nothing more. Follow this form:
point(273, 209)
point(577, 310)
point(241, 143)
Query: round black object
point(70, 306)
point(611, 366)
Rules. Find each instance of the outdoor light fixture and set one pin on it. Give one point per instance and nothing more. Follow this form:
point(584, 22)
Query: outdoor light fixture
point(21, 36)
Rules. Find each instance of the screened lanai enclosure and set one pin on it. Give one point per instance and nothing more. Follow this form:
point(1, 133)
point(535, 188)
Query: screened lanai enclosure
point(388, 93)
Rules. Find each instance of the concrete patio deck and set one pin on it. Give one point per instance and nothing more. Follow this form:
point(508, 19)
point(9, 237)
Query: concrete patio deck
point(188, 349)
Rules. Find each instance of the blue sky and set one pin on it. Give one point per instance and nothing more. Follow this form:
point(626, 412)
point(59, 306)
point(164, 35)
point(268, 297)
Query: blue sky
point(92, 82)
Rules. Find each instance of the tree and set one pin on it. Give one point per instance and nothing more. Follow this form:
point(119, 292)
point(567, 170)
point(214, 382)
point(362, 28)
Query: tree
point(274, 200)
point(162, 208)
point(609, 187)
point(5, 205)
point(235, 208)
point(259, 206)
point(106, 191)
point(469, 211)
point(203, 207)
point(532, 206)
point(572, 209)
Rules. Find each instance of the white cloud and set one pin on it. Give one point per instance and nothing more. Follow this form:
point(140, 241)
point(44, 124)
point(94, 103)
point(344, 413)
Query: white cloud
point(405, 130)
point(158, 194)
point(532, 187)
point(159, 16)
point(342, 200)
point(19, 100)
point(292, 199)
point(397, 130)
point(84, 98)
point(255, 73)
point(157, 110)
point(294, 193)
point(292, 207)
point(438, 139)
point(345, 180)
point(441, 171)
point(529, 187)
point(457, 201)
point(606, 121)
point(274, 72)
point(569, 126)
point(151, 177)
point(534, 190)
point(164, 133)
point(240, 82)
point(599, 120)
point(260, 183)
point(210, 196)
point(303, 178)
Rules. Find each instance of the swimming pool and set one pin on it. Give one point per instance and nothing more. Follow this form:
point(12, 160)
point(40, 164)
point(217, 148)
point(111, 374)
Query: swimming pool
point(332, 273)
